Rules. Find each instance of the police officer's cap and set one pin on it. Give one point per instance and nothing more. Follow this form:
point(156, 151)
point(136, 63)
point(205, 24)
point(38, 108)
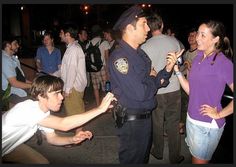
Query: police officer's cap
point(128, 17)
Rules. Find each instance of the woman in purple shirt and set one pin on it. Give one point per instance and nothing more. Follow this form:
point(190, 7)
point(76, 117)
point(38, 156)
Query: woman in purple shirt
point(211, 71)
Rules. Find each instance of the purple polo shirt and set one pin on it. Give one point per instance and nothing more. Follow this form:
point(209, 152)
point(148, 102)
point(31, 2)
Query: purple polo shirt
point(207, 84)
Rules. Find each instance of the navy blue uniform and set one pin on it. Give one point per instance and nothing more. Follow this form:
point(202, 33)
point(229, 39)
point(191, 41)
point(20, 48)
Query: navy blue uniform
point(134, 89)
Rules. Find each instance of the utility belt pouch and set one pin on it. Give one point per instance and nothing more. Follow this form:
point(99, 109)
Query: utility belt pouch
point(119, 115)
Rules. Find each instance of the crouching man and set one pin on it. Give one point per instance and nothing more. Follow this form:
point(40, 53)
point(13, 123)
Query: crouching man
point(21, 122)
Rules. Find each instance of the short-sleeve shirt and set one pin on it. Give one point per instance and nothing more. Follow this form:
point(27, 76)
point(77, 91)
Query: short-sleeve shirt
point(207, 82)
point(49, 62)
point(20, 123)
point(9, 64)
point(188, 56)
point(157, 48)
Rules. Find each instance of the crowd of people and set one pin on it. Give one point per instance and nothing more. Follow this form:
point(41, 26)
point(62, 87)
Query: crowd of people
point(157, 93)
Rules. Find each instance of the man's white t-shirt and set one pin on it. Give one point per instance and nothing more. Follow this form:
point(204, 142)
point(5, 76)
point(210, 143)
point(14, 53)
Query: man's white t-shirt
point(20, 123)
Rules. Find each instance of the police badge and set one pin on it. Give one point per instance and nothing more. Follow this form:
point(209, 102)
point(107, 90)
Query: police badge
point(122, 65)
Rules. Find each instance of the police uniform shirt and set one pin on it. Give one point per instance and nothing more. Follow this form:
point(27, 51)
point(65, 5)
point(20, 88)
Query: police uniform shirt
point(130, 77)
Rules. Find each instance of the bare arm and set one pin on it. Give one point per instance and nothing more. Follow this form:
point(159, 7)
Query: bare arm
point(70, 122)
point(18, 84)
point(172, 58)
point(55, 139)
point(77, 120)
point(38, 65)
point(182, 80)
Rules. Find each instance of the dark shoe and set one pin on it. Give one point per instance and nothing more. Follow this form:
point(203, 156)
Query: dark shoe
point(159, 158)
point(181, 159)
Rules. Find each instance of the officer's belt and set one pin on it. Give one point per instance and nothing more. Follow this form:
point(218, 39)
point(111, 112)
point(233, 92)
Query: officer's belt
point(132, 117)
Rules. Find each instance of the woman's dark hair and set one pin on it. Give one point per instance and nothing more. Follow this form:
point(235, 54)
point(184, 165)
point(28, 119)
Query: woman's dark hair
point(223, 45)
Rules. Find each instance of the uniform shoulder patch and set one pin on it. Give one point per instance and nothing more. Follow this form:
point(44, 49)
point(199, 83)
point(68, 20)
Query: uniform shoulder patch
point(122, 65)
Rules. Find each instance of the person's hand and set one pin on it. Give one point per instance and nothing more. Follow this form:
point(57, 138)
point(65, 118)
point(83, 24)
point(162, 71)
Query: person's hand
point(209, 111)
point(187, 65)
point(153, 72)
point(172, 59)
point(81, 136)
point(106, 102)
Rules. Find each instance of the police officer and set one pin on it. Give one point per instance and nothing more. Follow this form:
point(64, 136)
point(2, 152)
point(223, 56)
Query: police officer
point(134, 84)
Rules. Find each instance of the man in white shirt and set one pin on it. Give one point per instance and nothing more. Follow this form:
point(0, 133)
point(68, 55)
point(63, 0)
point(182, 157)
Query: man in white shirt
point(73, 71)
point(21, 122)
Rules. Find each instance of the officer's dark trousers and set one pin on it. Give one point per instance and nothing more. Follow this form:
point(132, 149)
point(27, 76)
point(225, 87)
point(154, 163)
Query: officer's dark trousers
point(168, 112)
point(134, 139)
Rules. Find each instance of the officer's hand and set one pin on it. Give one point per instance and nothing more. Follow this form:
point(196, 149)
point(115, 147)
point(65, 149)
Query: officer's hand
point(172, 59)
point(153, 72)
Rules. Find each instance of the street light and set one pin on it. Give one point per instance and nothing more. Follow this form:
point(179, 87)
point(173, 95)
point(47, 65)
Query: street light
point(85, 8)
point(146, 5)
